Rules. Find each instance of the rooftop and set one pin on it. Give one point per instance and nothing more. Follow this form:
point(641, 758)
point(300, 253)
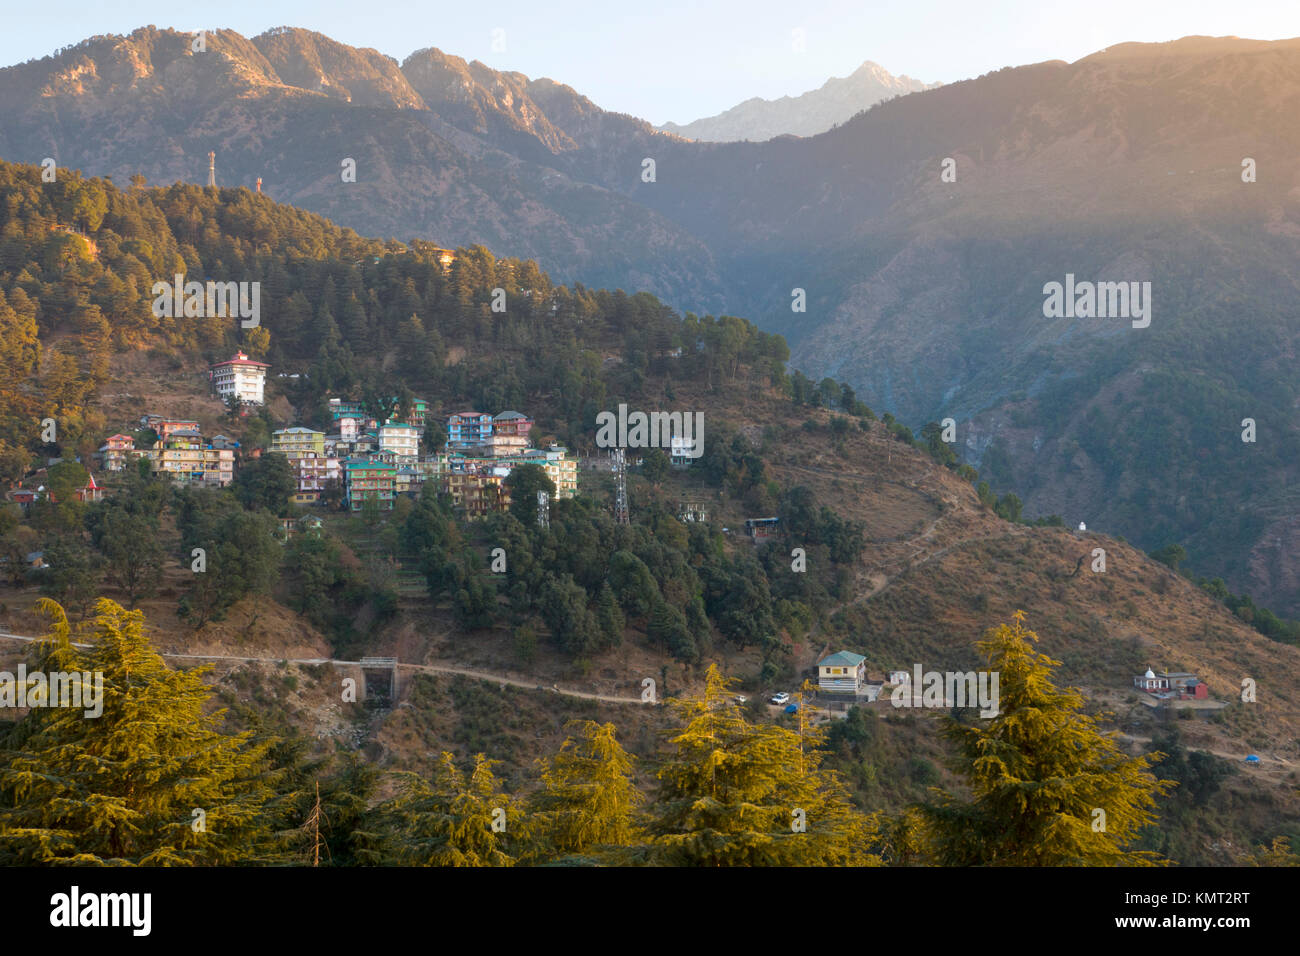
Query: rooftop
point(841, 659)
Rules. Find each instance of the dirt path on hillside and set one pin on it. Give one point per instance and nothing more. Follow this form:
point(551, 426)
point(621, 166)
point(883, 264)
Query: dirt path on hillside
point(1268, 763)
point(420, 668)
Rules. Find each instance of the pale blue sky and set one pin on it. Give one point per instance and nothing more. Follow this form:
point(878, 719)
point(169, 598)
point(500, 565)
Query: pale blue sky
point(682, 59)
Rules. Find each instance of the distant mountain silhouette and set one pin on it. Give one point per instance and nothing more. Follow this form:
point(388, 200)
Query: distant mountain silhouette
point(836, 101)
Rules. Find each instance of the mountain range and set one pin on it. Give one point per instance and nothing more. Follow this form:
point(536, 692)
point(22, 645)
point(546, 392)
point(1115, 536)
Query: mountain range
point(834, 102)
point(919, 235)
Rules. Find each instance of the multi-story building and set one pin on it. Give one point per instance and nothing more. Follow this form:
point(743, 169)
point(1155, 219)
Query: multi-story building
point(312, 473)
point(350, 428)
point(165, 426)
point(477, 490)
point(499, 446)
point(512, 423)
point(341, 408)
point(218, 465)
point(240, 376)
point(369, 477)
point(418, 413)
point(475, 482)
point(467, 429)
point(562, 469)
point(296, 442)
point(183, 456)
point(179, 456)
point(402, 441)
point(115, 451)
point(408, 480)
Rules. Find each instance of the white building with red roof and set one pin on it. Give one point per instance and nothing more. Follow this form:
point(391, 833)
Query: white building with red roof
point(240, 376)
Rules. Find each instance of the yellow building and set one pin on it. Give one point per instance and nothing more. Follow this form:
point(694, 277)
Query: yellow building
point(298, 442)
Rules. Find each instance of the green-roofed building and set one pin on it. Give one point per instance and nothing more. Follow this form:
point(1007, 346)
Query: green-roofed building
point(842, 673)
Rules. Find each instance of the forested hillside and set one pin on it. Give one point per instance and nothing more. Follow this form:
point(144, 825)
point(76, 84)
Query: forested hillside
point(906, 557)
point(1160, 162)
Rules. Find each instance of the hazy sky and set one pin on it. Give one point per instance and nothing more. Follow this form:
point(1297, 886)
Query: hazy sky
point(682, 59)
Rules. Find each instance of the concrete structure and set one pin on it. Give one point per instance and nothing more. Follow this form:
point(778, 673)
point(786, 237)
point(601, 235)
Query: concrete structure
point(240, 376)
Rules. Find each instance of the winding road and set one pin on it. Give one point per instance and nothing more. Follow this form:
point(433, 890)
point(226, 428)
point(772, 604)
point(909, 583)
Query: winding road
point(418, 668)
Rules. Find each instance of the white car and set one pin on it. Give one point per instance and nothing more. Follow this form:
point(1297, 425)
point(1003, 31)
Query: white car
point(781, 698)
point(740, 698)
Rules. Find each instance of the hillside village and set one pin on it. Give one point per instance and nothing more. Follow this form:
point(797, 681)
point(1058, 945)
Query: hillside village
point(364, 464)
point(361, 462)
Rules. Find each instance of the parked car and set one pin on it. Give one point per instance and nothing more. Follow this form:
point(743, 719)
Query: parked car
point(792, 709)
point(781, 698)
point(740, 698)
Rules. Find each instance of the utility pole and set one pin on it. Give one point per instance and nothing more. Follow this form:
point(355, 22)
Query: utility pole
point(620, 487)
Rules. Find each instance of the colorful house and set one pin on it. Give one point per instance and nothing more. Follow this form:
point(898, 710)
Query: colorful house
point(368, 477)
point(184, 456)
point(115, 451)
point(467, 429)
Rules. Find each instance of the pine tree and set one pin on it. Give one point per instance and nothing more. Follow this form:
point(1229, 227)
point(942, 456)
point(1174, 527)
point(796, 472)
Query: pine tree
point(455, 820)
point(610, 616)
point(124, 787)
point(589, 800)
point(1039, 772)
point(735, 794)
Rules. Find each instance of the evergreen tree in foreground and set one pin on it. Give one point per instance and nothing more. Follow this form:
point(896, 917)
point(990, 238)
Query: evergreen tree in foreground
point(734, 793)
point(455, 820)
point(589, 801)
point(1038, 773)
point(122, 788)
